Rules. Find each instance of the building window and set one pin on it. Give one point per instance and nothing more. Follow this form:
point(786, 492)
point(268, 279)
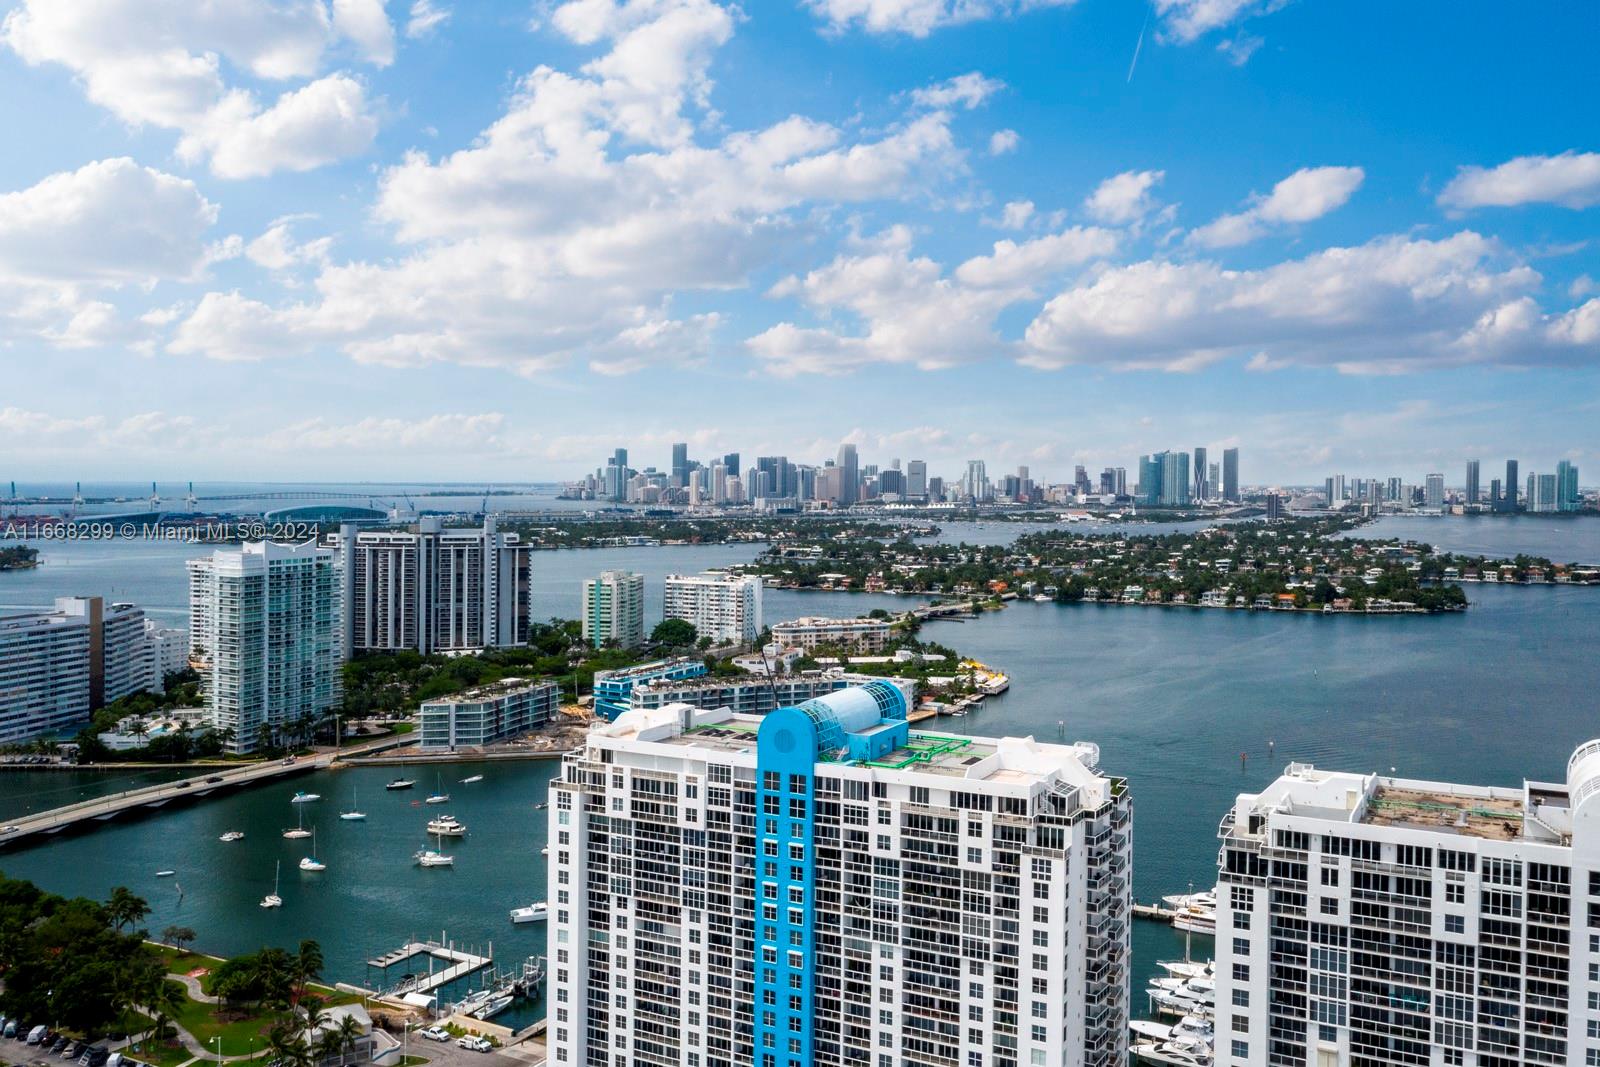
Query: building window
point(1241, 998)
point(1241, 972)
point(1455, 924)
point(1241, 946)
point(1330, 906)
point(1241, 1050)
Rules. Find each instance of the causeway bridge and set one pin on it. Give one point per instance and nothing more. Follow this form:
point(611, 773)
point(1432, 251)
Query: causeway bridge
point(88, 814)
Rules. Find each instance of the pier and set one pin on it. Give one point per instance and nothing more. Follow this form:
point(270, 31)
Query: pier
point(1154, 912)
point(459, 964)
point(29, 829)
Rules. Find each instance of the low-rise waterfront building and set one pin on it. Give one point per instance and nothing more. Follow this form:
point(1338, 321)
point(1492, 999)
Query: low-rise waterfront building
point(823, 886)
point(613, 610)
point(613, 689)
point(272, 633)
point(752, 695)
point(811, 632)
point(723, 607)
point(1365, 921)
point(508, 708)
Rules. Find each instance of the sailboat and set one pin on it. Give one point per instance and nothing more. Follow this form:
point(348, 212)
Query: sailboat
point(272, 899)
point(472, 778)
point(428, 857)
point(304, 798)
point(311, 863)
point(355, 814)
point(300, 830)
point(439, 796)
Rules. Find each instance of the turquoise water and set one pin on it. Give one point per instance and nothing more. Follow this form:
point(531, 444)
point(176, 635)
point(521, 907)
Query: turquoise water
point(1563, 540)
point(1173, 697)
point(371, 899)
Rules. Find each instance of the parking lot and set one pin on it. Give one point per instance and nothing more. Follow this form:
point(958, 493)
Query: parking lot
point(443, 1054)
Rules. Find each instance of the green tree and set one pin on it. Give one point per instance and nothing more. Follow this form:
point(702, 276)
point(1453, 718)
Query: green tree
point(674, 633)
point(178, 936)
point(125, 908)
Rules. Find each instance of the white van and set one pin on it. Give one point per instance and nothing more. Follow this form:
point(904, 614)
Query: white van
point(36, 1035)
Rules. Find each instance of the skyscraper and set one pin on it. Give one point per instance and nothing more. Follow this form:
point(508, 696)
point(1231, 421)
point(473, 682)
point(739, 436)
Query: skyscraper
point(849, 475)
point(1150, 480)
point(272, 637)
point(1567, 498)
point(1230, 475)
point(917, 479)
point(1174, 479)
point(680, 465)
point(617, 475)
point(1433, 491)
point(793, 899)
point(1384, 921)
point(976, 484)
point(1201, 489)
point(1472, 482)
point(429, 589)
point(1508, 502)
point(613, 609)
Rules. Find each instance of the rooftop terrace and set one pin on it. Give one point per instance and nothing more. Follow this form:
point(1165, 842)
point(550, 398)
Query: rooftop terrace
point(1487, 814)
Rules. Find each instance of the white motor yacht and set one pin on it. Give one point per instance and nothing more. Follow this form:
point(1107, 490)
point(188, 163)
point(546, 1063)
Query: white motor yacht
point(533, 913)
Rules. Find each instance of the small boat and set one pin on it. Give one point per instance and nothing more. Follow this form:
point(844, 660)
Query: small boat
point(533, 913)
point(541, 805)
point(272, 899)
point(447, 826)
point(311, 863)
point(439, 796)
point(431, 857)
point(473, 778)
point(300, 830)
point(232, 835)
point(495, 1006)
point(400, 783)
point(165, 874)
point(304, 798)
point(545, 851)
point(355, 814)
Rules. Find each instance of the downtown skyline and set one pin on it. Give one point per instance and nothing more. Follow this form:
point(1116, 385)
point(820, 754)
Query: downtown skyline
point(447, 241)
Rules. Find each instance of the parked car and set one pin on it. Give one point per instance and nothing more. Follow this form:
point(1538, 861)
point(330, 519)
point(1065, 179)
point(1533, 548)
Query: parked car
point(9, 829)
point(95, 1056)
point(74, 1049)
point(116, 1059)
point(435, 1033)
point(474, 1044)
point(61, 1042)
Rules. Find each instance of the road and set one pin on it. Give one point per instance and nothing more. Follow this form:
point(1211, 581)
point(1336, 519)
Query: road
point(201, 784)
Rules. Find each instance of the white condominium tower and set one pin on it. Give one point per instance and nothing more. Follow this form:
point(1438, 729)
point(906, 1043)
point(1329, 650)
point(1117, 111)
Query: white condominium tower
point(1369, 921)
point(430, 589)
point(58, 666)
point(723, 607)
point(822, 886)
point(613, 609)
point(271, 633)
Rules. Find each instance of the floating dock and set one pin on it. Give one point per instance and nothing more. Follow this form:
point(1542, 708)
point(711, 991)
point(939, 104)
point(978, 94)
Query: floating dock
point(458, 964)
point(1156, 912)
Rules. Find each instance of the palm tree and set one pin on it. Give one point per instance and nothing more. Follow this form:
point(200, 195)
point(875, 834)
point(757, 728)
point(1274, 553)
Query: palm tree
point(178, 936)
point(125, 909)
point(306, 966)
point(349, 1033)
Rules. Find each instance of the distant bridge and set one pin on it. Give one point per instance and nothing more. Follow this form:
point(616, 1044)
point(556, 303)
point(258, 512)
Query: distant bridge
point(30, 829)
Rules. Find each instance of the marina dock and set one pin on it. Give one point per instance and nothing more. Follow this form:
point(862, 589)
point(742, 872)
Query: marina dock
point(1155, 912)
point(459, 964)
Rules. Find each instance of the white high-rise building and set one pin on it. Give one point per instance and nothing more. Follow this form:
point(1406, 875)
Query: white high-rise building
point(1366, 921)
point(1433, 491)
point(273, 626)
point(723, 607)
point(166, 651)
point(613, 609)
point(57, 666)
point(431, 589)
point(821, 886)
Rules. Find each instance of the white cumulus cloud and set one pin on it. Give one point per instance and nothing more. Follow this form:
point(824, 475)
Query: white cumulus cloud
point(1125, 197)
point(167, 63)
point(918, 18)
point(1571, 179)
point(1307, 194)
point(964, 90)
point(1394, 303)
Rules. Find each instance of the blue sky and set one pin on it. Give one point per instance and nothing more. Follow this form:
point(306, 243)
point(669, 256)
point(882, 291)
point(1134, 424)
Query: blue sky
point(427, 239)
